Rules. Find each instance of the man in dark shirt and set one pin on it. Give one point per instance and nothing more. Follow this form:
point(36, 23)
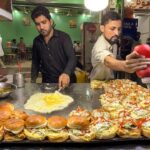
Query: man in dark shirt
point(52, 53)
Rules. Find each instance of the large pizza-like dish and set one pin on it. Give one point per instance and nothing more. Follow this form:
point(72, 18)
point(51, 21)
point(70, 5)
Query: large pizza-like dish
point(48, 102)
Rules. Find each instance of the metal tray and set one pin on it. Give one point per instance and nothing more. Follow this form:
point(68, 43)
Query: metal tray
point(113, 141)
point(4, 85)
point(83, 96)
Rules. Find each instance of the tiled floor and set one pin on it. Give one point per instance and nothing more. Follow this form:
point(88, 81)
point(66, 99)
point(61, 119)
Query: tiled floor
point(25, 69)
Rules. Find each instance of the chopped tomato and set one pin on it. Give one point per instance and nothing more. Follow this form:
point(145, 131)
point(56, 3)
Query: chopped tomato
point(140, 122)
point(123, 113)
point(125, 121)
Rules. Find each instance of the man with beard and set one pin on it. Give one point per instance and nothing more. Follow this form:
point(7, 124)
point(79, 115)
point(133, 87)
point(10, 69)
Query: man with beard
point(52, 52)
point(104, 59)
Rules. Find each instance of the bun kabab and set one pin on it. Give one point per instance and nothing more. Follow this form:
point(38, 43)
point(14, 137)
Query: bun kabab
point(18, 113)
point(79, 129)
point(14, 130)
point(139, 113)
point(145, 127)
point(77, 122)
point(35, 127)
point(7, 105)
point(110, 102)
point(102, 125)
point(118, 114)
point(1, 132)
point(96, 113)
point(128, 128)
point(5, 114)
point(82, 135)
point(79, 111)
point(57, 131)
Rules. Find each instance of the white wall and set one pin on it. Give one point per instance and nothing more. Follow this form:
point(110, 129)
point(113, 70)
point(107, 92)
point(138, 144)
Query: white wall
point(144, 27)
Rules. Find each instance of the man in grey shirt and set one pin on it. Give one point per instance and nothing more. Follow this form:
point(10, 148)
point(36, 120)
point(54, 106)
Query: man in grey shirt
point(104, 59)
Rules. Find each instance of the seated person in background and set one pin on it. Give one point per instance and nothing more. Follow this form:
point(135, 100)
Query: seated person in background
point(104, 61)
point(78, 47)
point(74, 44)
point(1, 54)
point(21, 48)
point(14, 47)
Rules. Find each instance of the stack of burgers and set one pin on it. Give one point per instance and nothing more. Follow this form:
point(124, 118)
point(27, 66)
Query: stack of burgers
point(16, 125)
point(80, 125)
point(102, 124)
point(11, 123)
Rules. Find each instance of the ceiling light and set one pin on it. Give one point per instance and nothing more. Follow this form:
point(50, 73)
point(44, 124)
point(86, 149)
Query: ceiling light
point(56, 10)
point(96, 5)
point(128, 1)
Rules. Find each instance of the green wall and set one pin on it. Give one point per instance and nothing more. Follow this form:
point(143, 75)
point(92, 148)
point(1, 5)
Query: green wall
point(62, 23)
point(16, 28)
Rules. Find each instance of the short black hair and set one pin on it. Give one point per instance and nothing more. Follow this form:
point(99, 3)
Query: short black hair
point(108, 16)
point(40, 10)
point(13, 40)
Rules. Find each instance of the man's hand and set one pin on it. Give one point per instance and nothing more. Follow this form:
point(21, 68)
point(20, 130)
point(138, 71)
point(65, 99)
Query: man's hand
point(133, 55)
point(64, 80)
point(135, 62)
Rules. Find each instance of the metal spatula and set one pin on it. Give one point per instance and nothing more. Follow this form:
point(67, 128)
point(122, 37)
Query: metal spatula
point(59, 89)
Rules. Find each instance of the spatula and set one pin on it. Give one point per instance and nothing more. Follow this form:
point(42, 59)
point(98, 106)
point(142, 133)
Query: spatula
point(59, 89)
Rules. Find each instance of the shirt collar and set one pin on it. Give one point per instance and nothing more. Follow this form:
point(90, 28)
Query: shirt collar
point(109, 45)
point(55, 34)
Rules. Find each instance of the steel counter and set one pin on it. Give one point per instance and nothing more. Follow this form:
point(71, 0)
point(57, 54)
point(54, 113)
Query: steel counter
point(82, 94)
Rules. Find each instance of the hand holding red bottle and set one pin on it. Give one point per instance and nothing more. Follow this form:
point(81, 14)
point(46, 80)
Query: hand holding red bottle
point(144, 50)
